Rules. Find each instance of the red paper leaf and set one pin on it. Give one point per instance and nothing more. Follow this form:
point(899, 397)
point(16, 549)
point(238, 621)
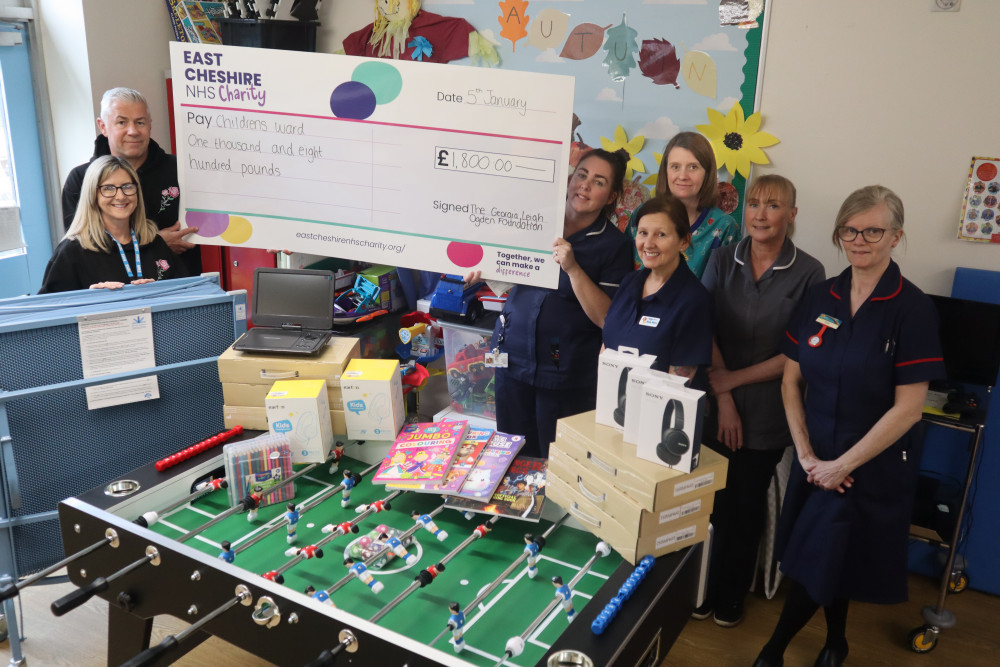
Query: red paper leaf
point(658, 61)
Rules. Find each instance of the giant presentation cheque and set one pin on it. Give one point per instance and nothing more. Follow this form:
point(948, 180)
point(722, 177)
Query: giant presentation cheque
point(441, 167)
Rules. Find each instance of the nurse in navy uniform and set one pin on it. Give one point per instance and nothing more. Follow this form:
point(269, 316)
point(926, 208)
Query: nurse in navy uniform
point(861, 350)
point(552, 338)
point(663, 309)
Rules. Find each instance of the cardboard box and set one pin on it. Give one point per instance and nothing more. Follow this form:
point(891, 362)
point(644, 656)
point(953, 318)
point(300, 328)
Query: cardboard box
point(670, 418)
point(387, 280)
point(300, 410)
point(373, 399)
point(255, 418)
point(669, 537)
point(619, 505)
point(637, 379)
point(247, 368)
point(614, 367)
point(601, 450)
point(252, 395)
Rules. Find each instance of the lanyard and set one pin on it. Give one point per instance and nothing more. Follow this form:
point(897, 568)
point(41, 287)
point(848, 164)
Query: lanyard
point(121, 251)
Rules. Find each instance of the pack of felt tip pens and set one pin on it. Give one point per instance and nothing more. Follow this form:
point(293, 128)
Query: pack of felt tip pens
point(254, 466)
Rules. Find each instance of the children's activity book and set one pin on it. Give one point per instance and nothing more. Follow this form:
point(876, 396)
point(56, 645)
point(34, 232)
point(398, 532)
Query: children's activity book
point(486, 474)
point(421, 453)
point(521, 496)
point(468, 453)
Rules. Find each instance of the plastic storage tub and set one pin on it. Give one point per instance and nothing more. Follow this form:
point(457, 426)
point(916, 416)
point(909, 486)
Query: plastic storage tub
point(470, 381)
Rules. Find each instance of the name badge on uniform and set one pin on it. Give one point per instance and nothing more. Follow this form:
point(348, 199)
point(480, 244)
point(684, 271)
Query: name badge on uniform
point(826, 322)
point(495, 359)
point(647, 321)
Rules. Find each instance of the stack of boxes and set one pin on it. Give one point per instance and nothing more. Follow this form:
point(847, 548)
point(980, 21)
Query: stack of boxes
point(247, 378)
point(637, 507)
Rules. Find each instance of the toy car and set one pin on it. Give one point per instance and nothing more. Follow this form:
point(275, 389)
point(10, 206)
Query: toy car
point(454, 302)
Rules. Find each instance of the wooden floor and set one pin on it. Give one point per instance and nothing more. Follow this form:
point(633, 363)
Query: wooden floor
point(877, 635)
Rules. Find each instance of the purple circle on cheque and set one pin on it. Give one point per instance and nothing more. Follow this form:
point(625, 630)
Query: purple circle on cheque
point(352, 99)
point(208, 224)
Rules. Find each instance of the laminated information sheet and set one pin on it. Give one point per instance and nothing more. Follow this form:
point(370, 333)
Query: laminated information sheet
point(440, 167)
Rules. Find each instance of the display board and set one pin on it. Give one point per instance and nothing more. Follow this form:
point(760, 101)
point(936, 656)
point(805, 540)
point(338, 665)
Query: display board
point(428, 166)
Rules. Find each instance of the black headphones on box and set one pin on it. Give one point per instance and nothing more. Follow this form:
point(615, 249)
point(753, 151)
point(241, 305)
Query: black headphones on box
point(675, 442)
point(619, 413)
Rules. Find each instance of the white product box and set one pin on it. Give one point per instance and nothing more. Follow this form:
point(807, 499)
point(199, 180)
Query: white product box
point(300, 409)
point(373, 399)
point(614, 367)
point(670, 417)
point(637, 379)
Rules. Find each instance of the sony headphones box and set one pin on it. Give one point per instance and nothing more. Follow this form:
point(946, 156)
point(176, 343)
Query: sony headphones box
point(670, 417)
point(637, 379)
point(614, 367)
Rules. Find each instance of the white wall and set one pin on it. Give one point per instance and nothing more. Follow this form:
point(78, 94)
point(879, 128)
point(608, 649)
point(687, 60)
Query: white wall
point(862, 92)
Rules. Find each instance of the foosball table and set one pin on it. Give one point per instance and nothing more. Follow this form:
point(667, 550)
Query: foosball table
point(354, 574)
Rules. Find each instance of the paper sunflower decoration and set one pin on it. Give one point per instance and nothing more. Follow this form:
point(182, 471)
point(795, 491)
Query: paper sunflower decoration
point(633, 147)
point(737, 142)
point(652, 178)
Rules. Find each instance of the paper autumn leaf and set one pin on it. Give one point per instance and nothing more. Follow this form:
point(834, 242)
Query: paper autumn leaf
point(513, 19)
point(737, 142)
point(658, 61)
point(584, 41)
point(633, 147)
point(620, 46)
point(652, 178)
point(700, 73)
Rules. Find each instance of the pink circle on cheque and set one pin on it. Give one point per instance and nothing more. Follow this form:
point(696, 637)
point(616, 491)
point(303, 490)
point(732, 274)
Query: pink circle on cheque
point(465, 254)
point(987, 171)
point(208, 224)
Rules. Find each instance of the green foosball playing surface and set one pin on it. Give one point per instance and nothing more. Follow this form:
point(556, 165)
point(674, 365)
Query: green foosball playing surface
point(505, 613)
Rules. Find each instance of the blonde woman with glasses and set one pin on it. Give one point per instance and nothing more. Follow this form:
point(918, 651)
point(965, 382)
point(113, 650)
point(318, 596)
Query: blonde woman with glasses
point(110, 243)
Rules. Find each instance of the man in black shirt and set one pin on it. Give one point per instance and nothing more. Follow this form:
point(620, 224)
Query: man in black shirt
point(125, 125)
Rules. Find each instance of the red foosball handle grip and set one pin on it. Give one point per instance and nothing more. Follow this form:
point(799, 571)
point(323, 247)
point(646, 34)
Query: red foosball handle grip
point(74, 599)
point(198, 448)
point(151, 653)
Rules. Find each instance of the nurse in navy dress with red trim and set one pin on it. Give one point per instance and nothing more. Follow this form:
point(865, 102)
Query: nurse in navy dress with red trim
point(865, 345)
point(662, 308)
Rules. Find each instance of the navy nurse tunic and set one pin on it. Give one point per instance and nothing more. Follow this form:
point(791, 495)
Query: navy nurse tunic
point(854, 544)
point(675, 323)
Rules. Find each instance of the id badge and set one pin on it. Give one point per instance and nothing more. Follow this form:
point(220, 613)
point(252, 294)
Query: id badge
point(495, 359)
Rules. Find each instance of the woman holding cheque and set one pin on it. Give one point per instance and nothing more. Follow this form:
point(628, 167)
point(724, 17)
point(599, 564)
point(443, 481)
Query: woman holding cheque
point(755, 285)
point(552, 338)
point(662, 309)
point(110, 243)
point(861, 349)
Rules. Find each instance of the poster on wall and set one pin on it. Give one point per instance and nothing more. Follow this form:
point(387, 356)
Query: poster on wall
point(428, 166)
point(979, 208)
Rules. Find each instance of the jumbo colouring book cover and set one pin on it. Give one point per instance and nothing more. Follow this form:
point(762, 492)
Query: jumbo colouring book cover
point(468, 453)
point(421, 453)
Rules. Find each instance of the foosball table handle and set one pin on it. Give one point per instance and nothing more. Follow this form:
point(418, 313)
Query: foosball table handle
point(151, 653)
point(74, 599)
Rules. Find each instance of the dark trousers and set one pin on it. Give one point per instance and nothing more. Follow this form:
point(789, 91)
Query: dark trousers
point(523, 409)
point(738, 520)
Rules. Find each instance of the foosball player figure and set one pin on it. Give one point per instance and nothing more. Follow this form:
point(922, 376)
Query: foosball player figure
point(427, 522)
point(311, 551)
point(319, 595)
point(427, 575)
point(361, 572)
point(338, 452)
point(565, 596)
point(274, 576)
point(292, 516)
point(227, 554)
point(397, 548)
point(339, 529)
point(376, 507)
point(455, 623)
point(350, 481)
point(252, 503)
point(533, 546)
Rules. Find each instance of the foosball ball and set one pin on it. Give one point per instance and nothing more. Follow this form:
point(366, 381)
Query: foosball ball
point(349, 573)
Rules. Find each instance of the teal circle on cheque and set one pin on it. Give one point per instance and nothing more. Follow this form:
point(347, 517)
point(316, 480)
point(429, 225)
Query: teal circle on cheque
point(384, 80)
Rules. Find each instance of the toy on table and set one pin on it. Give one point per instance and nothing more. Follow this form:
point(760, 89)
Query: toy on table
point(393, 544)
point(604, 618)
point(454, 301)
point(227, 553)
point(359, 570)
point(565, 595)
point(198, 448)
point(320, 595)
point(358, 300)
point(428, 523)
point(533, 546)
point(470, 380)
point(456, 621)
point(292, 516)
point(420, 337)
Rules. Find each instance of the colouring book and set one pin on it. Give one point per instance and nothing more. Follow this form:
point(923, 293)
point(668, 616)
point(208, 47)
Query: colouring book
point(468, 453)
point(486, 474)
point(421, 453)
point(521, 496)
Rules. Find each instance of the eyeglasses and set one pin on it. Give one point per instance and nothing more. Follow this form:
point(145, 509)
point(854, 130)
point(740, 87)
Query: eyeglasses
point(109, 191)
point(870, 235)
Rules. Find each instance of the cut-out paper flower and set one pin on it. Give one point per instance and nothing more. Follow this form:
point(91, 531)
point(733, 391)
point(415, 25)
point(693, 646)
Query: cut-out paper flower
point(737, 141)
point(421, 48)
point(633, 147)
point(652, 178)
